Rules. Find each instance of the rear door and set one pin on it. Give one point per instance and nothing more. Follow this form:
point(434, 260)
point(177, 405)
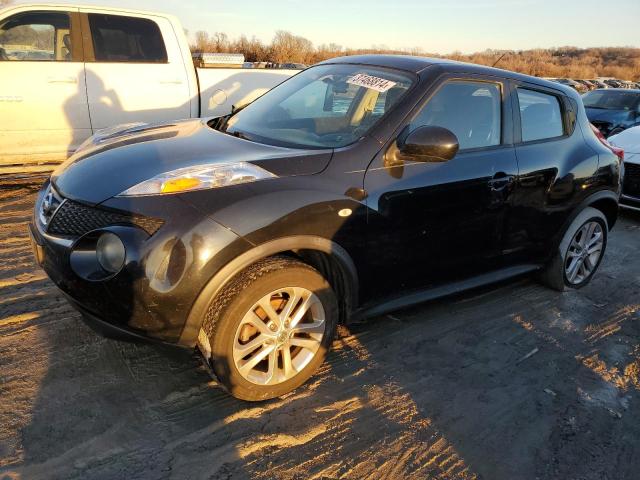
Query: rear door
point(556, 166)
point(43, 100)
point(135, 70)
point(440, 221)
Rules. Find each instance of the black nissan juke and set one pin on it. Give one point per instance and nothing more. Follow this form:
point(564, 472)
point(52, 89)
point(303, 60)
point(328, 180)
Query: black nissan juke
point(361, 185)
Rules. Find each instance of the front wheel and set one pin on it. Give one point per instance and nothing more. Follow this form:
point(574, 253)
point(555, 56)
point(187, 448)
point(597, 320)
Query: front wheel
point(580, 252)
point(270, 328)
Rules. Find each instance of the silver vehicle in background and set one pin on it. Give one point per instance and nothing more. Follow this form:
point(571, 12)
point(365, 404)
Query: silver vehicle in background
point(629, 141)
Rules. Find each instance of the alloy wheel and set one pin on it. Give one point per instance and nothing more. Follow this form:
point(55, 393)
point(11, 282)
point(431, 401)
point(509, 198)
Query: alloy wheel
point(584, 252)
point(279, 336)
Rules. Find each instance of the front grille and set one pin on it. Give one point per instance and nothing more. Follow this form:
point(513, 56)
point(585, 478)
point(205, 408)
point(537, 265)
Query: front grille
point(51, 200)
point(75, 219)
point(631, 185)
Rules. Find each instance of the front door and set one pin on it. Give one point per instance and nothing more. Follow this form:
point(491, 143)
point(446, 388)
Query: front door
point(436, 222)
point(43, 100)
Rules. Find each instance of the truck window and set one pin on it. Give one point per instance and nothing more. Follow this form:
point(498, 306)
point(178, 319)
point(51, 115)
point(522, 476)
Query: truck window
point(126, 39)
point(36, 37)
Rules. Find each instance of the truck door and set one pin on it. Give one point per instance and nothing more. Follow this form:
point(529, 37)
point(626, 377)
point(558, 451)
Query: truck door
point(43, 100)
point(135, 70)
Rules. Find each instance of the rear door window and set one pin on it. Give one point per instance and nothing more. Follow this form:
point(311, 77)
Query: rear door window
point(118, 38)
point(471, 110)
point(540, 115)
point(36, 37)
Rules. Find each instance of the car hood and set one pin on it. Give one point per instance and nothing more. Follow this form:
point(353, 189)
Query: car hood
point(628, 140)
point(632, 158)
point(611, 116)
point(119, 158)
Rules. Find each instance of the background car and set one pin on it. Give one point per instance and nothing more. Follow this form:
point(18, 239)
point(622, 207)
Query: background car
point(613, 83)
point(612, 110)
point(629, 141)
point(598, 83)
point(588, 84)
point(293, 66)
point(577, 86)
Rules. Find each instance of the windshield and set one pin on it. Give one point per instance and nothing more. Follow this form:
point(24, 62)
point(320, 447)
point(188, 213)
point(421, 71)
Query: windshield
point(611, 100)
point(327, 106)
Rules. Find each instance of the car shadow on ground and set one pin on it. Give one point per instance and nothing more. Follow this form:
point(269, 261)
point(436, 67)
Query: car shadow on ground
point(513, 381)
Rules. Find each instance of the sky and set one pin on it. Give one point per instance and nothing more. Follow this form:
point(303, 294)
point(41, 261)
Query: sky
point(436, 26)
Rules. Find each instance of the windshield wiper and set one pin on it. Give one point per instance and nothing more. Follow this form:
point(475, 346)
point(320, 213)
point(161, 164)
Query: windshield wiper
point(220, 124)
point(239, 134)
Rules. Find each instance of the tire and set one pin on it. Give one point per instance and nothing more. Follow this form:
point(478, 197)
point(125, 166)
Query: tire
point(557, 273)
point(231, 327)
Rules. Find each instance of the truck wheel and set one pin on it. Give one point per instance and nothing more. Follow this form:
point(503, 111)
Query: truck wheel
point(270, 328)
point(580, 252)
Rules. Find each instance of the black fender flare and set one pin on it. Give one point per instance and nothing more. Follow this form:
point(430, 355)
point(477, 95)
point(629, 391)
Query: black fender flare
point(199, 309)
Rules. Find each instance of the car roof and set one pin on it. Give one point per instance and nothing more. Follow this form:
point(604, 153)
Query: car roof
point(628, 90)
point(402, 62)
point(417, 64)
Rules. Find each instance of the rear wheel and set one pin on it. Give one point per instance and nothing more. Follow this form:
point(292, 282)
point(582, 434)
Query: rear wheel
point(270, 328)
point(580, 252)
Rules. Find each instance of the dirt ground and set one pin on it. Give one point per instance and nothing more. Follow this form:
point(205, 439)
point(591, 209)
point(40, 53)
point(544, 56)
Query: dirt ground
point(445, 390)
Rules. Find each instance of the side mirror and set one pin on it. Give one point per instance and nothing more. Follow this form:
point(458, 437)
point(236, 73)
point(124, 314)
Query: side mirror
point(430, 144)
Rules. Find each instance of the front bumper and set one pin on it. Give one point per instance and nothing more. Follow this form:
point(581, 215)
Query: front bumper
point(44, 251)
point(109, 330)
point(162, 276)
point(631, 185)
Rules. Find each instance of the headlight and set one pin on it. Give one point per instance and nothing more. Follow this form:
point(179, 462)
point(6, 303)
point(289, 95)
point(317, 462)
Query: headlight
point(110, 252)
point(198, 178)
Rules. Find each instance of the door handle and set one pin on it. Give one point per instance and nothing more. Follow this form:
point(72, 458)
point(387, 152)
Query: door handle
point(62, 80)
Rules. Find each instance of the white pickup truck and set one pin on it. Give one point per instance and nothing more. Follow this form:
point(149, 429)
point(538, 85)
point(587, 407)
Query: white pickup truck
point(67, 71)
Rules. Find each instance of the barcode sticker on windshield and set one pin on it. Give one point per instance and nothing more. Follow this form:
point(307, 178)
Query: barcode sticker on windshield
point(374, 83)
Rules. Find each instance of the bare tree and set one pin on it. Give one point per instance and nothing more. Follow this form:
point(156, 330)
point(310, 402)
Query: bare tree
point(202, 42)
point(287, 47)
point(551, 62)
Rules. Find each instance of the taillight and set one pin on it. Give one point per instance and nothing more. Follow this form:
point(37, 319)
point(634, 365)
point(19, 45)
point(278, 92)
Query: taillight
point(616, 150)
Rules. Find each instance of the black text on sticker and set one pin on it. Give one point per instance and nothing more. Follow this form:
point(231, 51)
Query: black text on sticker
point(374, 83)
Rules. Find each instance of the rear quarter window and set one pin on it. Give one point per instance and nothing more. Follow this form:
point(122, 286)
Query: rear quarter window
point(540, 115)
point(118, 38)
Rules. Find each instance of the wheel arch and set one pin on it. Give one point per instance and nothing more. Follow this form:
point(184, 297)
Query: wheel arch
point(605, 200)
point(332, 260)
point(609, 206)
